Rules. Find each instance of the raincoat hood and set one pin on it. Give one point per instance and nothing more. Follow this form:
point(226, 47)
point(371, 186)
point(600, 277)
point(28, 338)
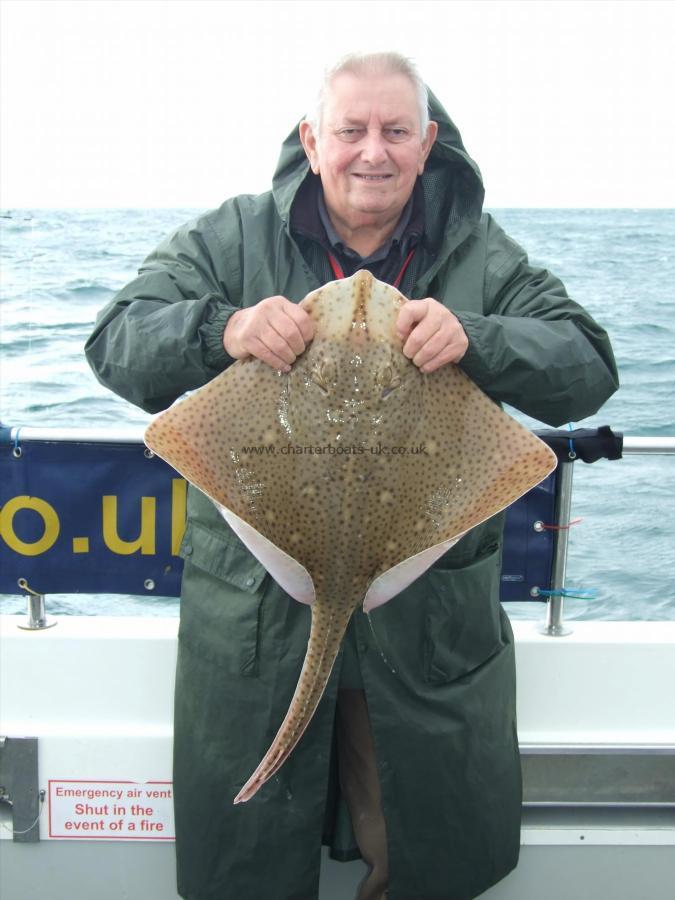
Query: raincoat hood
point(453, 186)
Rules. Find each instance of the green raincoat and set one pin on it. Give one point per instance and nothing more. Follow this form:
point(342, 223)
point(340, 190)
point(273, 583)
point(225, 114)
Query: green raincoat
point(438, 663)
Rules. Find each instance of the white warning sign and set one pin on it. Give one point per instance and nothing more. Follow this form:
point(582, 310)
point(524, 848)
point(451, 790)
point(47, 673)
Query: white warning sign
point(111, 810)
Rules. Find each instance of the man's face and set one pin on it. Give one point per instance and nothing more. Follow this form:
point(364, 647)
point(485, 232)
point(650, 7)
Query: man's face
point(370, 149)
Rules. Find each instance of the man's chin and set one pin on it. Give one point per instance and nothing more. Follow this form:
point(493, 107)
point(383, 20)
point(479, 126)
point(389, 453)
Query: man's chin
point(375, 206)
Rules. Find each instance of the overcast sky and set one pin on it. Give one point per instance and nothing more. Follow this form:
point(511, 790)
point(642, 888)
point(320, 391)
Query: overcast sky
point(173, 103)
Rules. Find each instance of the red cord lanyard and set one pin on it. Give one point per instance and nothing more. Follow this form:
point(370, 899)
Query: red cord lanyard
point(337, 269)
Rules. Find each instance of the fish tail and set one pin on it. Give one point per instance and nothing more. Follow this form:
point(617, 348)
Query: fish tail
point(327, 630)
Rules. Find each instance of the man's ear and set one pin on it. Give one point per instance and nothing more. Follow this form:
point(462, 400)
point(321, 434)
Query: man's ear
point(427, 144)
point(309, 143)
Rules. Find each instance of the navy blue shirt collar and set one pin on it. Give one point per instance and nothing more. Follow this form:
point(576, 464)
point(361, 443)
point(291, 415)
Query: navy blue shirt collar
point(382, 252)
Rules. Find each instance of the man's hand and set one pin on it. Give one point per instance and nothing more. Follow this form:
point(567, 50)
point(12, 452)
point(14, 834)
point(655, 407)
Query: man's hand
point(275, 331)
point(432, 335)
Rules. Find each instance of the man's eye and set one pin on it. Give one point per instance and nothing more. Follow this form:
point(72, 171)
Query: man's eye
point(397, 134)
point(350, 134)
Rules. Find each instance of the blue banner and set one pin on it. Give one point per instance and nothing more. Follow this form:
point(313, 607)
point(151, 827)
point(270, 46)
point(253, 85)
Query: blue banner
point(527, 560)
point(79, 517)
point(89, 518)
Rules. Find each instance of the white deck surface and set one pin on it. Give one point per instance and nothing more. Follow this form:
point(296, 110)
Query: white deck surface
point(97, 692)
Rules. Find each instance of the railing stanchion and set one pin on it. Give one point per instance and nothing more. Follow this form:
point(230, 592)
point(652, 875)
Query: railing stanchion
point(37, 619)
point(554, 624)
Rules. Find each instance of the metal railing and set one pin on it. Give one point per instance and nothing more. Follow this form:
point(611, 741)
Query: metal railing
point(664, 446)
point(131, 434)
point(554, 624)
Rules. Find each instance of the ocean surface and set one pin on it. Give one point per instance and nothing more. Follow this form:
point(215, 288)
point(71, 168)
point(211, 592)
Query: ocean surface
point(60, 267)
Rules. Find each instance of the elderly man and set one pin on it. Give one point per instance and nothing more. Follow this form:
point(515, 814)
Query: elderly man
point(422, 761)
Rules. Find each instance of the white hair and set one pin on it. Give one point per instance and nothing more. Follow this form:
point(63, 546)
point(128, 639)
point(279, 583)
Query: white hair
point(373, 64)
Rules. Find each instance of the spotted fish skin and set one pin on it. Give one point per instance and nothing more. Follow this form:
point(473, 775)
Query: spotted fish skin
point(367, 470)
point(366, 402)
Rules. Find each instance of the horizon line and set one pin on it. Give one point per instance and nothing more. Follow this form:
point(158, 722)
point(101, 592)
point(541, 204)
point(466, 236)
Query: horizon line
point(9, 209)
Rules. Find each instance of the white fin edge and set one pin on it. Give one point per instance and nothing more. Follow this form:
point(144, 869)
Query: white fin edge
point(396, 579)
point(286, 571)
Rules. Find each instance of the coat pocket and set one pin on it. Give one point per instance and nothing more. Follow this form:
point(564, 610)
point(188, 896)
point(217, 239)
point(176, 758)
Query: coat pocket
point(463, 625)
point(221, 599)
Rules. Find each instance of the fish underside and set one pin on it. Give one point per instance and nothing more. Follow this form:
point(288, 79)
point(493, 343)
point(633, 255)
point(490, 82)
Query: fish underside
point(349, 476)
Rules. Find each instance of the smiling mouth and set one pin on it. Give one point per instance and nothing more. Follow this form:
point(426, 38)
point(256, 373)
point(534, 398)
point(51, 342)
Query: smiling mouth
point(372, 178)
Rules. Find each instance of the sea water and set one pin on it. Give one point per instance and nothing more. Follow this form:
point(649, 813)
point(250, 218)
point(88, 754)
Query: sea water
point(60, 267)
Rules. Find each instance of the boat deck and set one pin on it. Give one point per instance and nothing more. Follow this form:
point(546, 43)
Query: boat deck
point(596, 728)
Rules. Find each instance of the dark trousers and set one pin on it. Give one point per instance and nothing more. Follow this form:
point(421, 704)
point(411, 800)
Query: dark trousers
point(361, 789)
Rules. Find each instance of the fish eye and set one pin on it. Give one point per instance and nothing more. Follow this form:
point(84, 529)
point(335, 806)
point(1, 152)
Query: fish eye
point(323, 374)
point(388, 379)
point(384, 376)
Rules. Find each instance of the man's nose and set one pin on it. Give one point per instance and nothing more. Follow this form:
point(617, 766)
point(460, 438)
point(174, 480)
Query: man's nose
point(374, 148)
